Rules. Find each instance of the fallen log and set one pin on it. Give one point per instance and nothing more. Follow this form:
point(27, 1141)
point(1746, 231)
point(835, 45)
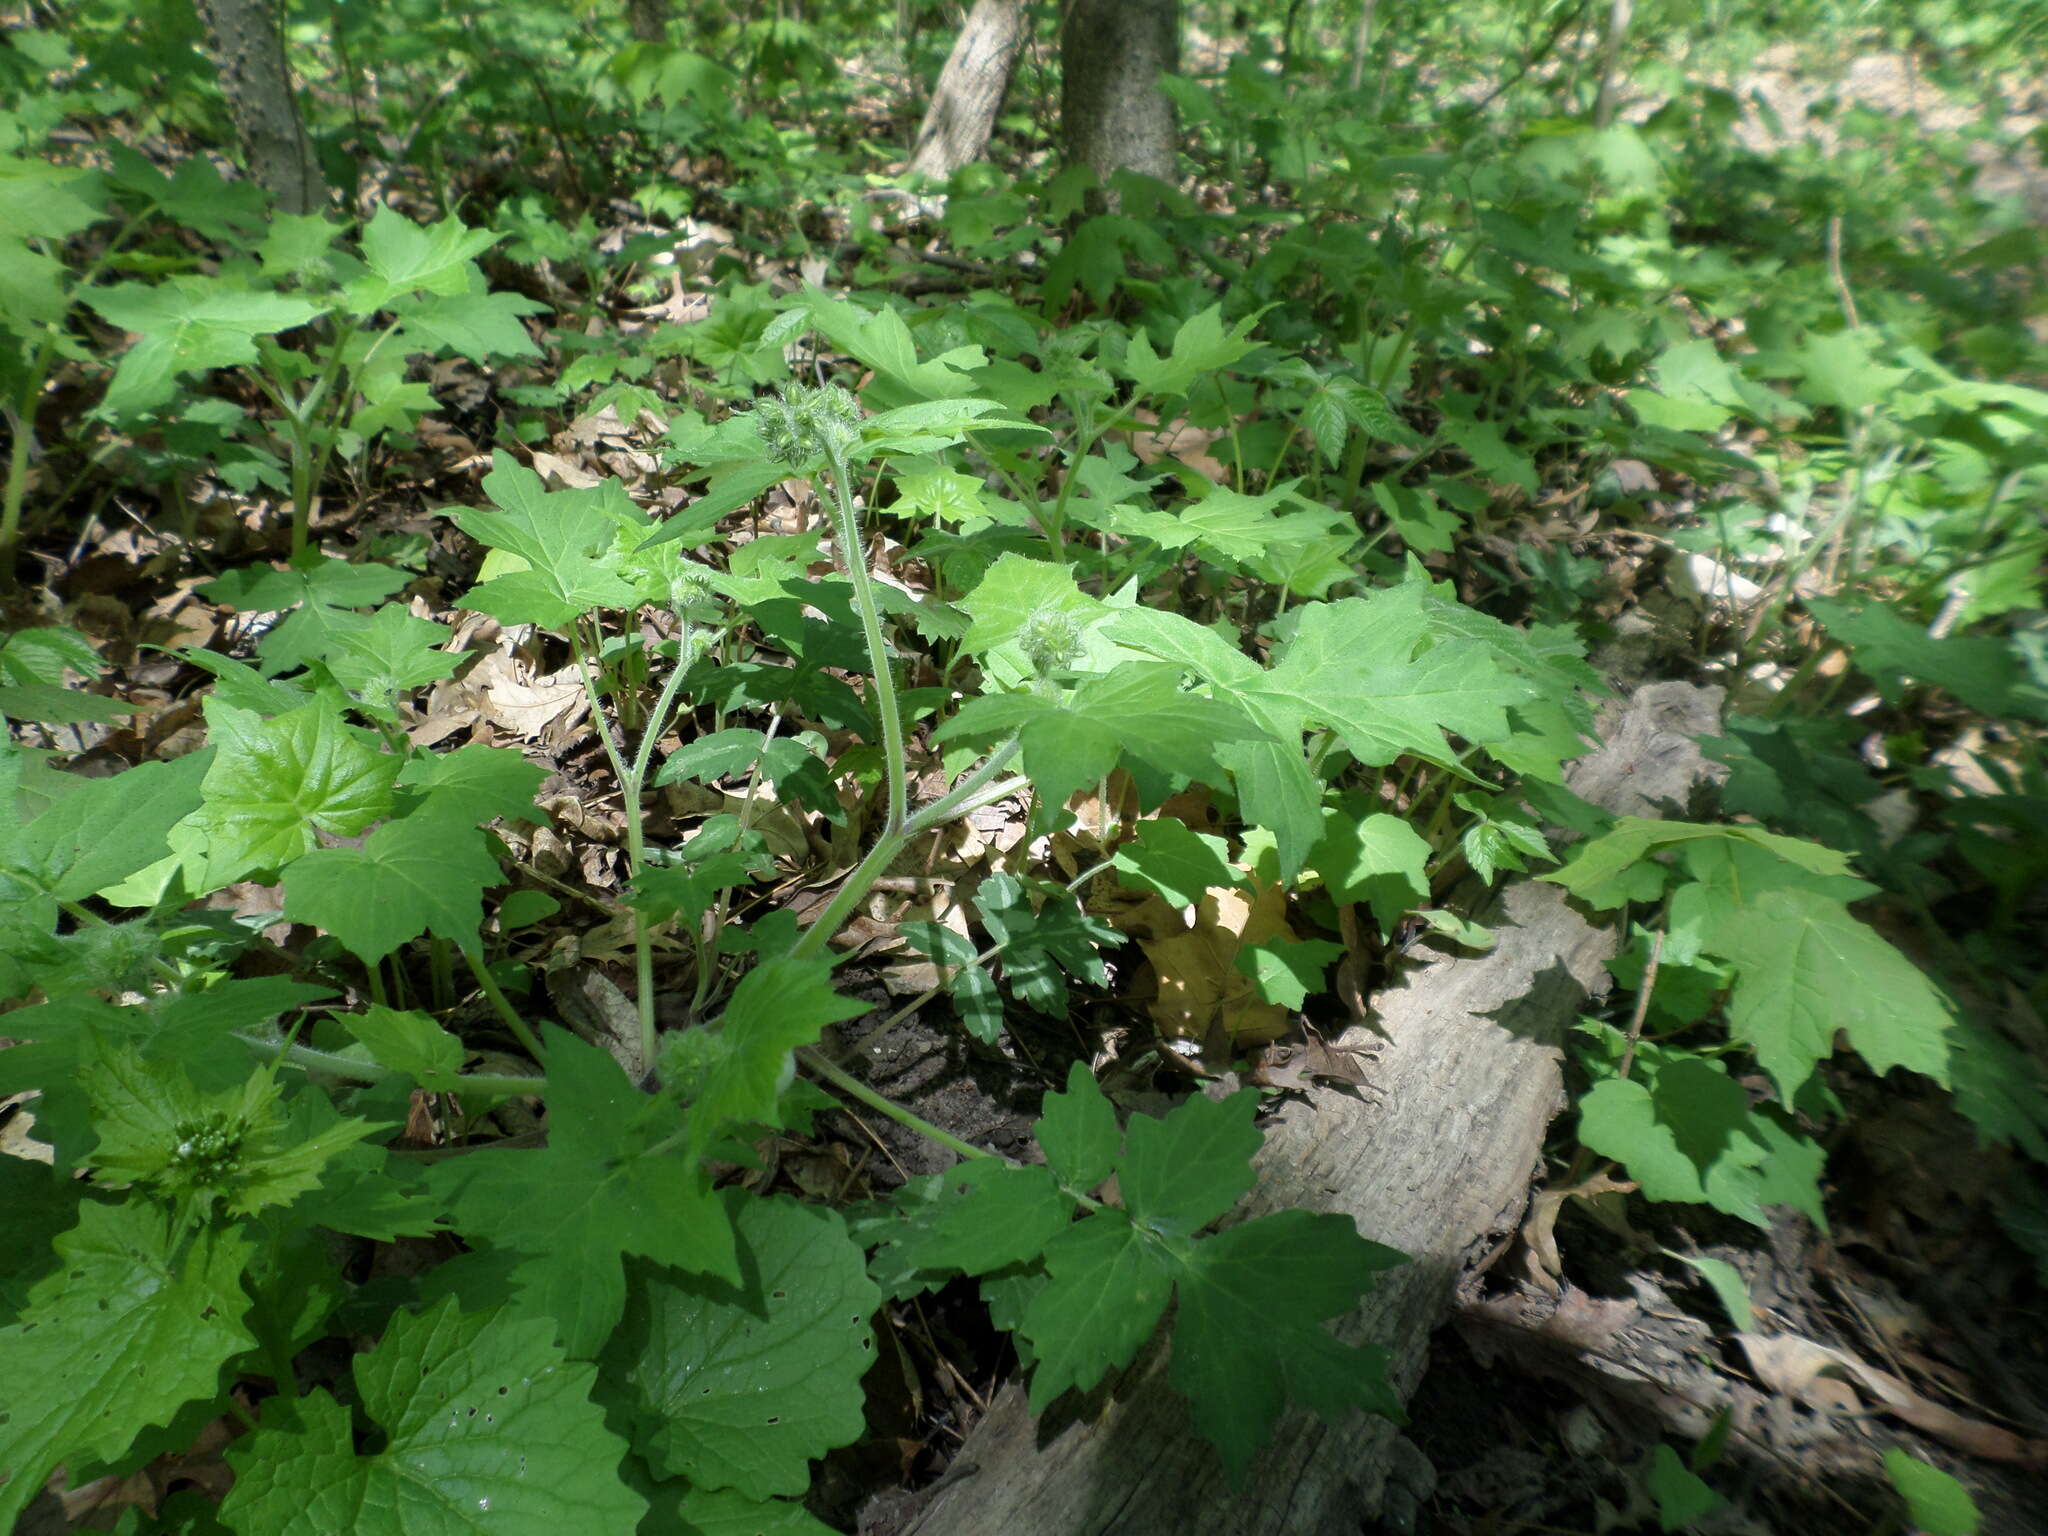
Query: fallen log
point(1436, 1158)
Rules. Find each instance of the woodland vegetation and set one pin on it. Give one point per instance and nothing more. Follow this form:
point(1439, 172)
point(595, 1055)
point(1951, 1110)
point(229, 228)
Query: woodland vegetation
point(1108, 767)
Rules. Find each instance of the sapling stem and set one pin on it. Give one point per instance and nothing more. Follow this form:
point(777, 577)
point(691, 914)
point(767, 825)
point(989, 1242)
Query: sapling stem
point(310, 1059)
point(854, 1088)
point(632, 783)
point(510, 1015)
point(846, 525)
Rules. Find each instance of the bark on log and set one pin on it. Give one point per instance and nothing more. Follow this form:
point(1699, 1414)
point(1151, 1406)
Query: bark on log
point(1436, 1159)
point(247, 41)
point(970, 91)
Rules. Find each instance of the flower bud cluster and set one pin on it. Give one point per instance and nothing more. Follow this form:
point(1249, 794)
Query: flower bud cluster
point(1051, 641)
point(801, 425)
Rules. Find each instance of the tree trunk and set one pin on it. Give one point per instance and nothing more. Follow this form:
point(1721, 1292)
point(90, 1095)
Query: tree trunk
point(247, 39)
point(647, 20)
point(970, 91)
point(1435, 1157)
point(1113, 116)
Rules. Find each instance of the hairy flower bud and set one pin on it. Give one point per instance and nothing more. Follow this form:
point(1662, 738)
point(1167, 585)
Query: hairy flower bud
point(1051, 641)
point(801, 425)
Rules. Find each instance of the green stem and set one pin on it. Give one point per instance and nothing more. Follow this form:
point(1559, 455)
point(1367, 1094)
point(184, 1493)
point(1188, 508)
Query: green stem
point(854, 1088)
point(506, 1012)
point(308, 1059)
point(847, 525)
point(630, 777)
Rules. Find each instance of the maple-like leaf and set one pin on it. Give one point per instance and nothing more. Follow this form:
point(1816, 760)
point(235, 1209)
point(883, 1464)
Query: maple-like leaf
point(742, 1385)
point(600, 1190)
point(187, 325)
point(485, 1428)
point(1363, 668)
point(133, 1326)
point(274, 786)
point(1248, 1329)
point(424, 873)
point(565, 539)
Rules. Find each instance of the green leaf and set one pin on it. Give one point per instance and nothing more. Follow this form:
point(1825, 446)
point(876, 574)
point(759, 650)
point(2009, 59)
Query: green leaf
point(48, 704)
point(880, 339)
point(274, 786)
point(1138, 709)
point(41, 1203)
point(742, 1385)
point(1375, 858)
point(485, 1428)
point(720, 755)
point(104, 830)
point(1422, 522)
point(1231, 526)
point(474, 784)
point(1327, 425)
point(600, 1189)
point(1017, 589)
point(1363, 667)
point(1181, 1172)
point(45, 655)
point(312, 578)
point(986, 1215)
point(1596, 871)
point(1285, 971)
point(560, 535)
point(1106, 1293)
point(135, 1325)
point(1805, 968)
point(409, 1042)
point(969, 987)
point(1201, 347)
point(1078, 1132)
point(1178, 864)
point(1682, 1495)
point(725, 1512)
point(424, 873)
point(228, 1150)
point(1935, 1502)
point(1248, 1329)
point(1039, 945)
point(40, 200)
point(932, 425)
point(781, 1004)
point(477, 325)
point(1983, 672)
point(1727, 1284)
point(1689, 1134)
point(403, 258)
point(187, 325)
point(389, 652)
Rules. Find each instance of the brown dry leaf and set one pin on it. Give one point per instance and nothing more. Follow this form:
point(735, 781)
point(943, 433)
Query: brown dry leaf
point(1181, 440)
point(1201, 990)
point(504, 691)
point(1539, 1230)
point(1820, 1376)
point(567, 471)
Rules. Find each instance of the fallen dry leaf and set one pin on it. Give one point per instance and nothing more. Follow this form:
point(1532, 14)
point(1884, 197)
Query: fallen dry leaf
point(1821, 1376)
point(1200, 990)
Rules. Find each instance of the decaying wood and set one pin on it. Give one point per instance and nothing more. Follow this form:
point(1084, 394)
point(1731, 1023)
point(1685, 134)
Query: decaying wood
point(1435, 1157)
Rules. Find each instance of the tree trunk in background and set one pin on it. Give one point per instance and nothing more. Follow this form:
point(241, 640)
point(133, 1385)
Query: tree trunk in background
point(247, 40)
point(647, 20)
point(970, 90)
point(1113, 116)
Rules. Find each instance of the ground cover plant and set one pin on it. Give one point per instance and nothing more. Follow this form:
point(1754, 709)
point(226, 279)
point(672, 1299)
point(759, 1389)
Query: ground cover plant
point(505, 672)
